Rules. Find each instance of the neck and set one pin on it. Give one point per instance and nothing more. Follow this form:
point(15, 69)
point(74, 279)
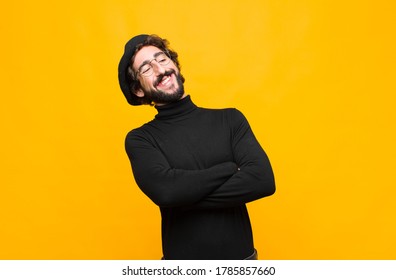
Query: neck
point(162, 104)
point(178, 109)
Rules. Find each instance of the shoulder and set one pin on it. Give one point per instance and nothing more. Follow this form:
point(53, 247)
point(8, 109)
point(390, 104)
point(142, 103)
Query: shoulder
point(139, 139)
point(139, 133)
point(230, 116)
point(232, 112)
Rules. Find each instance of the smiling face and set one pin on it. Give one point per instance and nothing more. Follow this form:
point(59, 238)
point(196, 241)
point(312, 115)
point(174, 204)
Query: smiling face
point(160, 82)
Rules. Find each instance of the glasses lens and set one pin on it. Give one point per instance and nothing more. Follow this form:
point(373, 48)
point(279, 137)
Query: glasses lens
point(146, 70)
point(163, 59)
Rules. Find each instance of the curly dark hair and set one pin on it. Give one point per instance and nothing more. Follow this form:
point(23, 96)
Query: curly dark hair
point(162, 44)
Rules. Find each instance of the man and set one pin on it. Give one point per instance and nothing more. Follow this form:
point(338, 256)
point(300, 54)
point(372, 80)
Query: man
point(200, 166)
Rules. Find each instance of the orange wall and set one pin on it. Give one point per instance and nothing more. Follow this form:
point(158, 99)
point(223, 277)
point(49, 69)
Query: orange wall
point(316, 80)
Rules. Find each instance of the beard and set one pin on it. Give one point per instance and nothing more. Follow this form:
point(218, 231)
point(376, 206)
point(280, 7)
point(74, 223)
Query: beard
point(162, 97)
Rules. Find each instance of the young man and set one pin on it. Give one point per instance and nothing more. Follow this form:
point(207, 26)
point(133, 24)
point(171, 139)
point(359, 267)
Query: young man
point(200, 166)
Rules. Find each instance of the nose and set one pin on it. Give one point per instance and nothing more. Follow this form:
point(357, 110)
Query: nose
point(158, 68)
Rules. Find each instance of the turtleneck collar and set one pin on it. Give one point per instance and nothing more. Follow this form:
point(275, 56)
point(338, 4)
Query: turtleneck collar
point(175, 109)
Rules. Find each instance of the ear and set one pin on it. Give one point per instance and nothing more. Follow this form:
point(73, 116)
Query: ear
point(139, 93)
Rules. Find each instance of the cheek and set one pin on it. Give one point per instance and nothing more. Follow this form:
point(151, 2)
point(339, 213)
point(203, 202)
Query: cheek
point(146, 82)
point(173, 66)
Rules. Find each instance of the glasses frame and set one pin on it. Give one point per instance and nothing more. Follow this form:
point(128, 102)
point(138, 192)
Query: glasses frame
point(149, 63)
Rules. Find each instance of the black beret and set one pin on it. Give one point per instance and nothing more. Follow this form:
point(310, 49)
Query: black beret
point(123, 79)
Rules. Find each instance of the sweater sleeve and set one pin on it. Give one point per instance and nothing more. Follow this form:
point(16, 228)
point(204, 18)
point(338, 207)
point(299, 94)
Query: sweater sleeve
point(167, 186)
point(254, 179)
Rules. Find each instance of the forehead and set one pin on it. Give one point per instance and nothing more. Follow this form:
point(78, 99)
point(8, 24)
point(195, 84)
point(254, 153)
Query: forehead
point(145, 53)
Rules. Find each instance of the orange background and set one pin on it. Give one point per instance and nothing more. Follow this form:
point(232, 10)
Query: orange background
point(316, 80)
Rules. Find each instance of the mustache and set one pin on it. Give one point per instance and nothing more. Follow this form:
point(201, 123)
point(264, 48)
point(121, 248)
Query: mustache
point(166, 73)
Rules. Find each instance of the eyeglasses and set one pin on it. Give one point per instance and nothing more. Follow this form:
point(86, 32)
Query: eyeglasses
point(147, 69)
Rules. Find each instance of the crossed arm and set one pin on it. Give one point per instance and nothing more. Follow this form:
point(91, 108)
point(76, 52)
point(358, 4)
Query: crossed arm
point(227, 184)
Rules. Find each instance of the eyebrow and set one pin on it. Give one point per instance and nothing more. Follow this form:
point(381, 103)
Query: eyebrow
point(148, 60)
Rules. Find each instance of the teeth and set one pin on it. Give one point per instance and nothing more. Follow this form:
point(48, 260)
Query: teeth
point(165, 80)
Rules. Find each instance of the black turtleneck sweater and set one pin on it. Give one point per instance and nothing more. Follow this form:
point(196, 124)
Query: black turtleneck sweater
point(201, 166)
